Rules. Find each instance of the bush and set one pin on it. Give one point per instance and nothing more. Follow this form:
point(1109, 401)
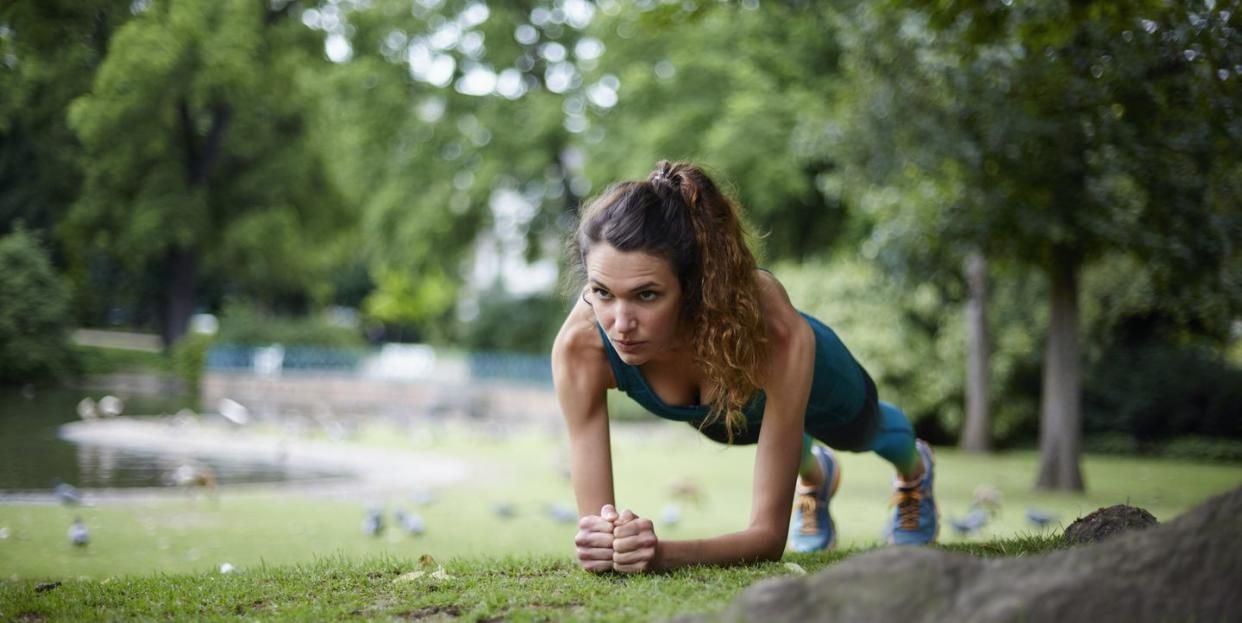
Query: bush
point(189, 359)
point(1158, 391)
point(505, 323)
point(34, 314)
point(245, 325)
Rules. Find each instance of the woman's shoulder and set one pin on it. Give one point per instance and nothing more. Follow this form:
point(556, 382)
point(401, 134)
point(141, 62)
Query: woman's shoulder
point(578, 346)
point(781, 319)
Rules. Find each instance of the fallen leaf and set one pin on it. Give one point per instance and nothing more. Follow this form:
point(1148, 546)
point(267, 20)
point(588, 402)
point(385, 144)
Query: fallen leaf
point(408, 577)
point(795, 568)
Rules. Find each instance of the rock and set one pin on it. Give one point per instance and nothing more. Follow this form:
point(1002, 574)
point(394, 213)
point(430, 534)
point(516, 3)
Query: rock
point(1107, 522)
point(1187, 569)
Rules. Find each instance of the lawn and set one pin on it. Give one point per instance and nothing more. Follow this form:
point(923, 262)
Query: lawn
point(286, 547)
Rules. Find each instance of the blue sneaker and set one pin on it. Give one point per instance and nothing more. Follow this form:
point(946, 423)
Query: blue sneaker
point(916, 520)
point(813, 528)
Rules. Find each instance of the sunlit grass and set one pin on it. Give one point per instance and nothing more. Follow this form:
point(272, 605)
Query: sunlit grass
point(179, 534)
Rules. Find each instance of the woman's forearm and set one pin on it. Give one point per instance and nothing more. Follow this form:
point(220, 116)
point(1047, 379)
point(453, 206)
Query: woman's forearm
point(750, 545)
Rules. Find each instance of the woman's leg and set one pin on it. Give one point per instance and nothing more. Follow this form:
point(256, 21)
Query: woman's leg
point(809, 472)
point(895, 442)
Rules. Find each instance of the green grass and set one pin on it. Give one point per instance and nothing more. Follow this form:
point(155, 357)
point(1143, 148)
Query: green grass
point(513, 588)
point(304, 556)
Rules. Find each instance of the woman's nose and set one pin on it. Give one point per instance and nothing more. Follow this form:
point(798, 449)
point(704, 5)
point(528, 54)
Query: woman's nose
point(626, 320)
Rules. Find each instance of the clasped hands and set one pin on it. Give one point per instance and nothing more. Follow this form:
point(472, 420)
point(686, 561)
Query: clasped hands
point(621, 542)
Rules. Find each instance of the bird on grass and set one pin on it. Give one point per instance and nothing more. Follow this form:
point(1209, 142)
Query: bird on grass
point(78, 535)
point(561, 513)
point(412, 524)
point(87, 410)
point(1040, 518)
point(505, 509)
point(423, 497)
point(373, 524)
point(111, 406)
point(234, 411)
point(971, 523)
point(67, 493)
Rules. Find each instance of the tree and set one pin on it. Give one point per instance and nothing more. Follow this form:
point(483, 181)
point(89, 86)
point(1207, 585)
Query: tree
point(197, 157)
point(49, 50)
point(1055, 135)
point(742, 91)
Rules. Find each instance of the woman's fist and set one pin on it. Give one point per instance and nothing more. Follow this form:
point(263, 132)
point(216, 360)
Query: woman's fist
point(595, 539)
point(634, 544)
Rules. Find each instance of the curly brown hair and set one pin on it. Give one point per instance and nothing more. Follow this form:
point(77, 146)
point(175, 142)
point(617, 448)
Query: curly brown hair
point(680, 214)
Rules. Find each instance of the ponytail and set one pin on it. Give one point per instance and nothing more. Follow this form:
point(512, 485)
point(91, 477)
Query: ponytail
point(727, 331)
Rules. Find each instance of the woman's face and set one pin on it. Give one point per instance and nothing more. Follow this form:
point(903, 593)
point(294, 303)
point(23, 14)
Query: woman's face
point(637, 300)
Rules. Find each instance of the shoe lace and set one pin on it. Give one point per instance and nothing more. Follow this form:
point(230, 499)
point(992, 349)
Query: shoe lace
point(908, 503)
point(807, 504)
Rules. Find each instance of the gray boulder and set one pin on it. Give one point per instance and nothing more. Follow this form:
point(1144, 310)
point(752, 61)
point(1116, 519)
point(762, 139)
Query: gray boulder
point(1189, 569)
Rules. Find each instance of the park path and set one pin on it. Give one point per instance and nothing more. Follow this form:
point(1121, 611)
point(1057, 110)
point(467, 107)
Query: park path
point(369, 471)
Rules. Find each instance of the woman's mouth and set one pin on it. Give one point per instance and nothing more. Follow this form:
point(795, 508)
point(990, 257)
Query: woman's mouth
point(628, 346)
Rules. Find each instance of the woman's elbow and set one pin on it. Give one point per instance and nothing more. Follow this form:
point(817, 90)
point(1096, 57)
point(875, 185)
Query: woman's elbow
point(772, 547)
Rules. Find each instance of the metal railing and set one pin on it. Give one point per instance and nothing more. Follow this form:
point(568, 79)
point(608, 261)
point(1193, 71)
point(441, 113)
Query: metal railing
point(392, 361)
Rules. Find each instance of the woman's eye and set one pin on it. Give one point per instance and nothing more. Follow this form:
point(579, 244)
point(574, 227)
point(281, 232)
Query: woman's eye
point(603, 294)
point(647, 295)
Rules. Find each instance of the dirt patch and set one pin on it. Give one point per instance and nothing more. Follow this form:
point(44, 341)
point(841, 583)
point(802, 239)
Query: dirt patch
point(31, 617)
point(1107, 522)
point(252, 607)
point(430, 613)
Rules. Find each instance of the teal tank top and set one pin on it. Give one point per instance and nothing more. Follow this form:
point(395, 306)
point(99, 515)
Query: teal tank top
point(838, 387)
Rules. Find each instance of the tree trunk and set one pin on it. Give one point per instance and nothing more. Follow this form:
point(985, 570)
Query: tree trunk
point(182, 271)
point(977, 428)
point(1060, 425)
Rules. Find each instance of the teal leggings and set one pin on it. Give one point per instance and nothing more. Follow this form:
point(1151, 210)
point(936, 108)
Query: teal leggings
point(894, 440)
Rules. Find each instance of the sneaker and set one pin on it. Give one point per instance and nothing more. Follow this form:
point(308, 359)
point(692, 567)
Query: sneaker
point(813, 528)
point(916, 520)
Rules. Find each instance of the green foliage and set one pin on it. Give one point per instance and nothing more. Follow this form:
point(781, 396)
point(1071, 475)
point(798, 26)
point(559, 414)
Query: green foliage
point(246, 325)
point(910, 338)
point(1157, 391)
point(1188, 448)
point(196, 145)
point(526, 324)
point(34, 318)
point(189, 359)
point(744, 92)
point(97, 360)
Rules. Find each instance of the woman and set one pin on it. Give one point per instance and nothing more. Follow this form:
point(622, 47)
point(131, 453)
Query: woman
point(676, 315)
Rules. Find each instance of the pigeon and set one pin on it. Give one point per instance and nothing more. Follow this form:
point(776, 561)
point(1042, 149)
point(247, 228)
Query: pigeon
point(78, 534)
point(1039, 518)
point(110, 406)
point(971, 523)
point(561, 513)
point(412, 524)
point(988, 498)
point(191, 475)
point(227, 567)
point(423, 497)
point(87, 410)
point(234, 411)
point(505, 509)
point(373, 525)
point(67, 493)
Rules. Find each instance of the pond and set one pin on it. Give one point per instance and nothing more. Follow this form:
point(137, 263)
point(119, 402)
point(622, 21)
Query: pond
point(33, 456)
